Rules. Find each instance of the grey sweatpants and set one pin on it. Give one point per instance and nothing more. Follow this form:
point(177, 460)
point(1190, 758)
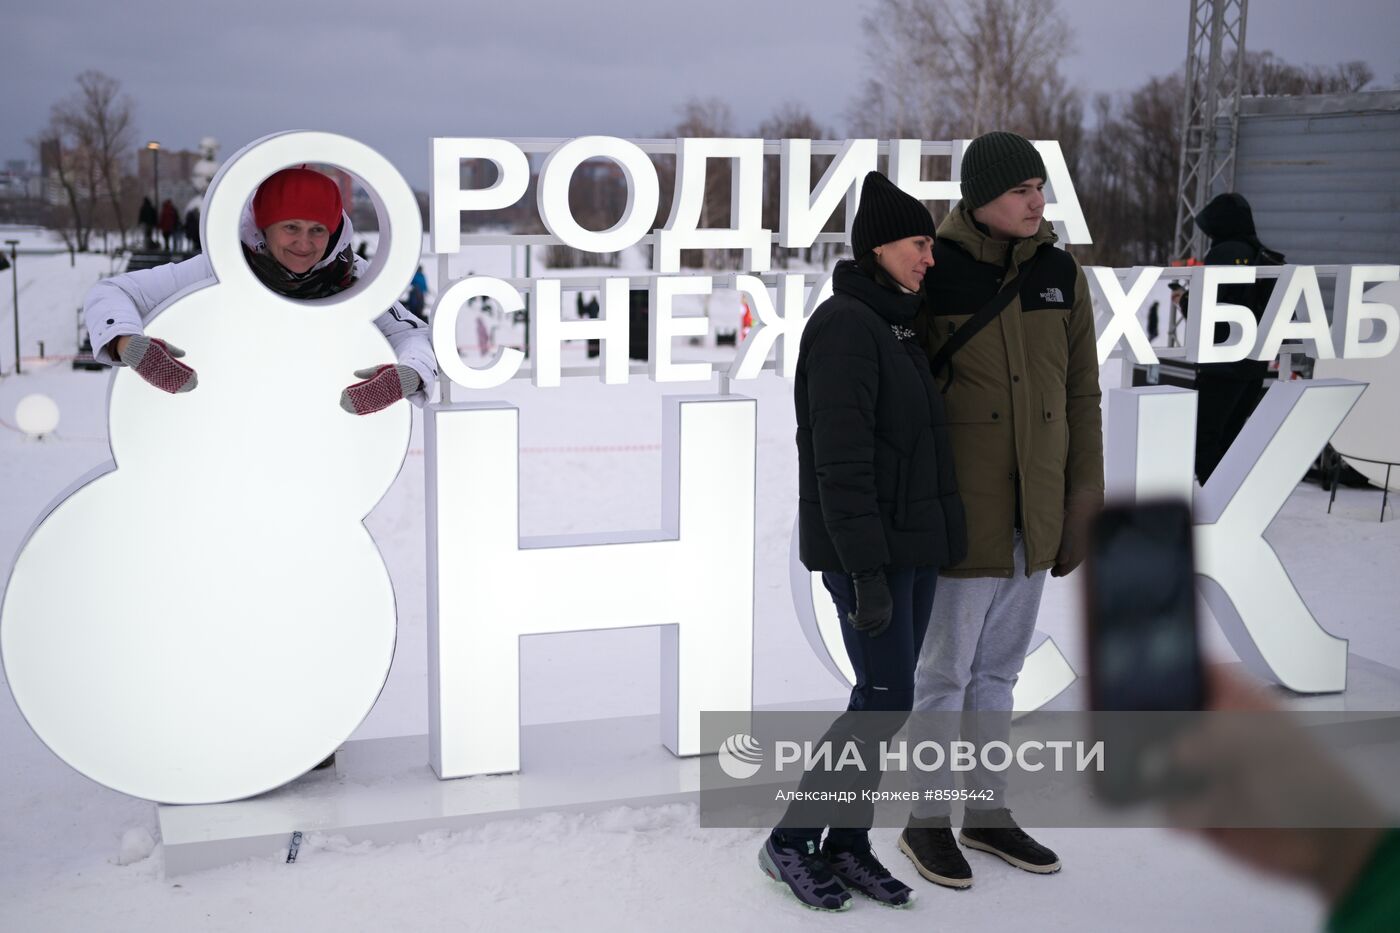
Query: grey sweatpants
point(970, 660)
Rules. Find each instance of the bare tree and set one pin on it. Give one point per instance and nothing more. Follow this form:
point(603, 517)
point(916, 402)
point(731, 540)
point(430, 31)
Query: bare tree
point(90, 132)
point(959, 68)
point(955, 69)
point(108, 113)
point(68, 165)
point(1267, 75)
point(699, 117)
point(1132, 158)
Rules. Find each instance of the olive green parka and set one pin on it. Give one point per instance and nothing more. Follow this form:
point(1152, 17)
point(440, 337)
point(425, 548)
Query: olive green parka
point(1022, 396)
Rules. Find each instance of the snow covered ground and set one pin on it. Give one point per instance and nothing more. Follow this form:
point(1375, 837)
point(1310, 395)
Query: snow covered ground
point(75, 856)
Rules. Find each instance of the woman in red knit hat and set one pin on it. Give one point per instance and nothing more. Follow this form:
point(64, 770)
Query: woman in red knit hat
point(298, 240)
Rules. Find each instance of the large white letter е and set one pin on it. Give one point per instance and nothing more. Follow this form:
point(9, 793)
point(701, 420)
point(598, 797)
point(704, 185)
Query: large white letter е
point(488, 586)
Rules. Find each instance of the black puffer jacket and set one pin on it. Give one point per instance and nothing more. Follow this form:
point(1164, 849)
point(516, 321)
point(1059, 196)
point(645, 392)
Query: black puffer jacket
point(876, 485)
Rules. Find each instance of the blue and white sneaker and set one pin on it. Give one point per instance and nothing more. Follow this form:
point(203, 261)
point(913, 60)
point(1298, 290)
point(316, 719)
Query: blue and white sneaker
point(859, 870)
point(805, 873)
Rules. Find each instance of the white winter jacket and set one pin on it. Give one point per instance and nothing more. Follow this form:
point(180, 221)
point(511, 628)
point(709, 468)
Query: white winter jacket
point(122, 304)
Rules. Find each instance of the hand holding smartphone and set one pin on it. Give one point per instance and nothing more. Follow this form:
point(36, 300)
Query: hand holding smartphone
point(1144, 645)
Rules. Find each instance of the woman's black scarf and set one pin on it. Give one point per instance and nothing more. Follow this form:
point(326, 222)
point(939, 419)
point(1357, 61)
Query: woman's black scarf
point(331, 278)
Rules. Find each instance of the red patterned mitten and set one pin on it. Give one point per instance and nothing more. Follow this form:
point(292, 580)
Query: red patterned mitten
point(382, 387)
point(155, 361)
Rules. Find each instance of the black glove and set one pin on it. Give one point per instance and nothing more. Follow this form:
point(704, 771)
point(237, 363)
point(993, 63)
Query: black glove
point(1080, 509)
point(874, 606)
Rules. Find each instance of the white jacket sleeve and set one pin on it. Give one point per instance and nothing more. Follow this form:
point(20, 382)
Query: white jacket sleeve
point(121, 305)
point(408, 336)
point(412, 347)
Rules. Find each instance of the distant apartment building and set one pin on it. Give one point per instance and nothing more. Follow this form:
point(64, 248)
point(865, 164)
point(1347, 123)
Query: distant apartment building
point(19, 180)
point(167, 174)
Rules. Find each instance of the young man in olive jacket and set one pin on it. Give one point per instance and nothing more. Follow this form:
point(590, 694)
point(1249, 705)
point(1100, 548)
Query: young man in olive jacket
point(1022, 398)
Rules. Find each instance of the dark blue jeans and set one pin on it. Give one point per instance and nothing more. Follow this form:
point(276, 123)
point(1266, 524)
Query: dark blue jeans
point(884, 669)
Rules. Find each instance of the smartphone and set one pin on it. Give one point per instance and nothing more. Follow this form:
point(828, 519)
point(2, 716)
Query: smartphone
point(1145, 671)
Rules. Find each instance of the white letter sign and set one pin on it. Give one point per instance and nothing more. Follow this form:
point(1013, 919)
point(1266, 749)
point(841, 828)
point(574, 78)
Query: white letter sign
point(1246, 586)
point(488, 587)
point(448, 200)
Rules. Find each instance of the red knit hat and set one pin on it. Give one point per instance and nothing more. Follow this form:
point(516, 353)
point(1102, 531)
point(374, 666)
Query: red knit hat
point(297, 194)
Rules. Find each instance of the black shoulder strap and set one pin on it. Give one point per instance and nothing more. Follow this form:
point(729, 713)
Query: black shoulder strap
point(982, 318)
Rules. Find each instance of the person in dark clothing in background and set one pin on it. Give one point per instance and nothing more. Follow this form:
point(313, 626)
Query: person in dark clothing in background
point(147, 219)
point(588, 311)
point(878, 515)
point(1176, 311)
point(192, 229)
point(1227, 393)
point(417, 297)
point(169, 220)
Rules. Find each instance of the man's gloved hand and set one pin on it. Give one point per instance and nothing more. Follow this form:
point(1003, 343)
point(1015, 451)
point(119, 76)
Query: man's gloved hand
point(874, 606)
point(381, 387)
point(155, 361)
point(1080, 509)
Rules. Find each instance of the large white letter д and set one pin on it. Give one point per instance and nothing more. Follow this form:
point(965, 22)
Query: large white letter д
point(1151, 439)
point(488, 587)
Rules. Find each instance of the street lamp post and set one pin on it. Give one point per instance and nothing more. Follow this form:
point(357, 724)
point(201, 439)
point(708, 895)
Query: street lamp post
point(155, 168)
point(14, 277)
point(155, 175)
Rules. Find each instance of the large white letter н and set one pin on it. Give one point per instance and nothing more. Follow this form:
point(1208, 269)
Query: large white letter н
point(488, 586)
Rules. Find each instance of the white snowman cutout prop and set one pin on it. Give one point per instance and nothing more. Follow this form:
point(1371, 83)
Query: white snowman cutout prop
point(208, 617)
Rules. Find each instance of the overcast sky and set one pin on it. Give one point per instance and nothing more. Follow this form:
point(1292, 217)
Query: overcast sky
point(394, 73)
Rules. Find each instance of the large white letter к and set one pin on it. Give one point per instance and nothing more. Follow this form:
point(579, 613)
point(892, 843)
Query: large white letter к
point(488, 587)
point(1151, 436)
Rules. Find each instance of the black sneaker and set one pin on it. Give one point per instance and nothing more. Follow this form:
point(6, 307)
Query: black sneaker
point(859, 870)
point(805, 873)
point(930, 846)
point(996, 832)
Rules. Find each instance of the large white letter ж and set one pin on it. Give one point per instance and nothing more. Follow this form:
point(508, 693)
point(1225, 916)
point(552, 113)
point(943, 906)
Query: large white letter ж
point(488, 587)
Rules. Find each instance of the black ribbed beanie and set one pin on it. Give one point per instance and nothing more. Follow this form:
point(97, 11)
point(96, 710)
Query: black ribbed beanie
point(994, 163)
point(886, 214)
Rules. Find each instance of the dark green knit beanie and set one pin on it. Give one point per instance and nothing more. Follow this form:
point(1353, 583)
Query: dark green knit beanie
point(994, 163)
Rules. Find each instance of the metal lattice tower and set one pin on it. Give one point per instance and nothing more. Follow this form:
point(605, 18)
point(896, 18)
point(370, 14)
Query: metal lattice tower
point(1214, 68)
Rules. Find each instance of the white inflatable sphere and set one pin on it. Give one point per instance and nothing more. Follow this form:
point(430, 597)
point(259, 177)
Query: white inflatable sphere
point(36, 415)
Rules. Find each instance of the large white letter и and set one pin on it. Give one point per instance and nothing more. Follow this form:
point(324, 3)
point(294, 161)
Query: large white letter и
point(488, 586)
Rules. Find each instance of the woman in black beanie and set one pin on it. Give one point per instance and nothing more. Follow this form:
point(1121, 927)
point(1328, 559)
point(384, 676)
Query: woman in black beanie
point(878, 514)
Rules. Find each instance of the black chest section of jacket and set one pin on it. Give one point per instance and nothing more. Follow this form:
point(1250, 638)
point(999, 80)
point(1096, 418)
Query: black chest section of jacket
point(908, 399)
point(958, 284)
